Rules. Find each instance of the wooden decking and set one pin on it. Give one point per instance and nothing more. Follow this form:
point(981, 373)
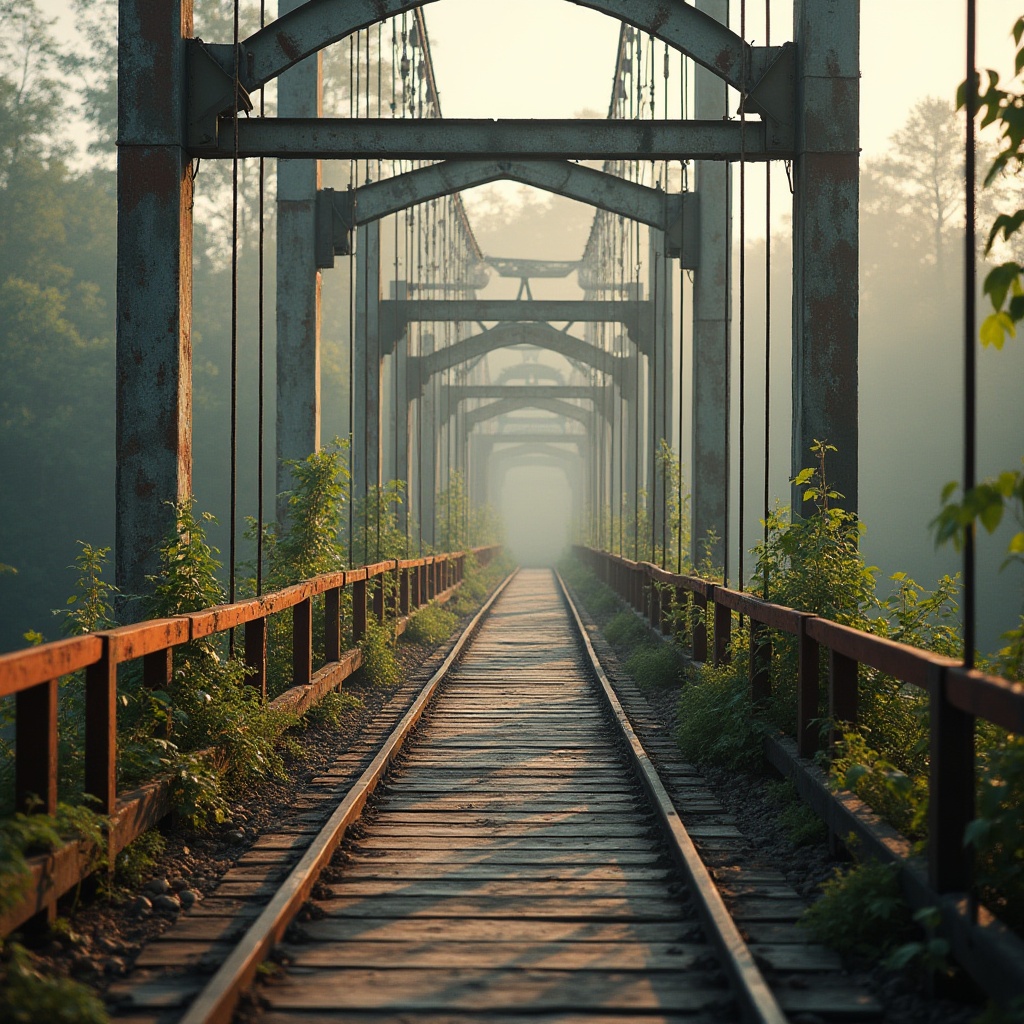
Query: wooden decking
point(510, 869)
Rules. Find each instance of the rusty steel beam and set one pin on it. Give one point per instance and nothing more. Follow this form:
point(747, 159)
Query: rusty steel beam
point(826, 245)
point(342, 138)
point(154, 286)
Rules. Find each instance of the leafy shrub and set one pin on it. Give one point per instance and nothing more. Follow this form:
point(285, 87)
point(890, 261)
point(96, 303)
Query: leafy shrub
point(430, 625)
point(626, 630)
point(27, 996)
point(860, 911)
point(380, 667)
point(332, 709)
point(134, 864)
point(655, 665)
point(800, 824)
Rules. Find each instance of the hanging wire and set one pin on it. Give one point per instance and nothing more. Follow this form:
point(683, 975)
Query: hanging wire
point(970, 318)
point(767, 326)
point(233, 501)
point(741, 440)
point(261, 349)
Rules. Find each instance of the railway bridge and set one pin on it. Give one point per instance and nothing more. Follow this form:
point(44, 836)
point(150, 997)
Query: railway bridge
point(526, 843)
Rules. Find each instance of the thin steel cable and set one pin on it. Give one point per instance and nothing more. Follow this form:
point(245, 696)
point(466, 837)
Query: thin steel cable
point(741, 440)
point(261, 350)
point(767, 330)
point(233, 500)
point(970, 319)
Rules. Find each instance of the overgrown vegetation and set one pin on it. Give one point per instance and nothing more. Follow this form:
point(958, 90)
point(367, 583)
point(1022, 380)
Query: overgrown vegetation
point(29, 995)
point(430, 624)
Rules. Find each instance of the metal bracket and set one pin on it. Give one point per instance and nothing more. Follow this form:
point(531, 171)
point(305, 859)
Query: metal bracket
point(335, 221)
point(211, 90)
point(682, 231)
point(774, 98)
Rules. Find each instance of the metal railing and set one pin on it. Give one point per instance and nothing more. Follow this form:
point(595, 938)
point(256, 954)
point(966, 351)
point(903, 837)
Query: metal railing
point(32, 678)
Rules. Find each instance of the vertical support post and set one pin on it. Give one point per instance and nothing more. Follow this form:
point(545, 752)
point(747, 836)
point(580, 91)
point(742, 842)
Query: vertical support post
point(661, 377)
point(378, 597)
point(101, 732)
point(298, 280)
point(154, 284)
point(826, 238)
point(405, 592)
point(35, 739)
point(951, 789)
point(842, 691)
point(256, 654)
point(302, 643)
point(700, 626)
point(366, 445)
point(402, 416)
point(808, 694)
point(712, 320)
point(760, 661)
point(358, 610)
point(723, 633)
point(157, 669)
point(332, 624)
point(426, 489)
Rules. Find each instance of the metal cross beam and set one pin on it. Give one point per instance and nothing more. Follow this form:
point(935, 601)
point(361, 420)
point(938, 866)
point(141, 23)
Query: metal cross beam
point(341, 212)
point(464, 392)
point(396, 314)
point(342, 138)
point(558, 406)
point(525, 437)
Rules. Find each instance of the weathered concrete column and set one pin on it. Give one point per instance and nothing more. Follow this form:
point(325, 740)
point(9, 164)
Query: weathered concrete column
point(660, 375)
point(154, 286)
point(298, 280)
point(366, 444)
point(712, 315)
point(826, 239)
point(426, 491)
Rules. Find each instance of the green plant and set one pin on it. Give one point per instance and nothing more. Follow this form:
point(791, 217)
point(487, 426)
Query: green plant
point(28, 996)
point(929, 953)
point(136, 862)
point(380, 667)
point(332, 709)
point(860, 911)
point(655, 665)
point(625, 630)
point(430, 625)
point(800, 824)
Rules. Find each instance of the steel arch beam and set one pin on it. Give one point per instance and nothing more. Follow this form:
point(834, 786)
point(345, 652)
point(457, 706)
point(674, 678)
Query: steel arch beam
point(558, 406)
point(520, 371)
point(662, 210)
point(509, 335)
point(318, 23)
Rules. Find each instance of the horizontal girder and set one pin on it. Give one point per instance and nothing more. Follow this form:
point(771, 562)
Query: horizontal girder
point(503, 406)
point(396, 314)
point(509, 335)
point(342, 138)
point(465, 392)
point(526, 437)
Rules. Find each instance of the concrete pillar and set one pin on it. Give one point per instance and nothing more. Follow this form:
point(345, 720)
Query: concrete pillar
point(154, 286)
point(366, 444)
point(298, 280)
point(427, 444)
point(826, 239)
point(712, 313)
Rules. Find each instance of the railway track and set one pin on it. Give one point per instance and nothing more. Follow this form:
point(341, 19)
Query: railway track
point(522, 860)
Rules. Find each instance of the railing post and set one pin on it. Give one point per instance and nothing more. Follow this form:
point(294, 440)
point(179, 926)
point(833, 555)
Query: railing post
point(723, 632)
point(332, 624)
point(101, 732)
point(404, 591)
point(760, 661)
point(808, 694)
point(358, 610)
point(157, 669)
point(256, 655)
point(951, 789)
point(302, 643)
point(664, 606)
point(842, 692)
point(700, 626)
point(35, 752)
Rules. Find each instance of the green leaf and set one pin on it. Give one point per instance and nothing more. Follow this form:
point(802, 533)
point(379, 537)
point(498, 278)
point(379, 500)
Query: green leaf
point(991, 515)
point(948, 490)
point(995, 328)
point(854, 774)
point(1016, 546)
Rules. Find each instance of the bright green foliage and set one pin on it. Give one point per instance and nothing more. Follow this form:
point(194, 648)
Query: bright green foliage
point(332, 709)
point(310, 542)
point(91, 607)
point(430, 624)
point(28, 996)
point(380, 667)
point(460, 524)
point(377, 533)
point(625, 630)
point(655, 665)
point(137, 861)
point(860, 911)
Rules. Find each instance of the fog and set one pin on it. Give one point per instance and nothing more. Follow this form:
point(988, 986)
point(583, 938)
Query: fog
point(535, 503)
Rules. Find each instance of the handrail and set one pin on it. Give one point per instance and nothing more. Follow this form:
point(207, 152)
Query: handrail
point(957, 695)
point(31, 677)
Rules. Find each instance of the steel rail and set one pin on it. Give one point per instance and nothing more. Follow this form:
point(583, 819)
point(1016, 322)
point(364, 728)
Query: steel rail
point(216, 1002)
point(757, 1002)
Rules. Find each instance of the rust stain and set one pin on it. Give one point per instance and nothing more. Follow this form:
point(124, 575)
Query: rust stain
point(288, 46)
point(724, 60)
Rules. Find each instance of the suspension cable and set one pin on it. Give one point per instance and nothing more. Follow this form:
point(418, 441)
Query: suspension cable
point(233, 500)
point(741, 440)
point(261, 351)
point(970, 317)
point(767, 327)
